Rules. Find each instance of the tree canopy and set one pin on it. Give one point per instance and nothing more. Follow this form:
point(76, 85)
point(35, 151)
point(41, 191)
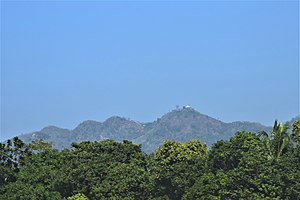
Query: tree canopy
point(248, 166)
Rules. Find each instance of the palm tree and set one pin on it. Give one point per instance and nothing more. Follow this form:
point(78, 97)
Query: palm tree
point(264, 137)
point(280, 138)
point(277, 141)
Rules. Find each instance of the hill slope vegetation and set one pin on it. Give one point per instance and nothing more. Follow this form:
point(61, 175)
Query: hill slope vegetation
point(181, 125)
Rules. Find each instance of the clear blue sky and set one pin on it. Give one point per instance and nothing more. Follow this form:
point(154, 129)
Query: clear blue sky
point(65, 62)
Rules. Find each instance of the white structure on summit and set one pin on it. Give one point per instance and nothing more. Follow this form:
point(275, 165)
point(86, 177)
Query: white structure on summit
point(186, 107)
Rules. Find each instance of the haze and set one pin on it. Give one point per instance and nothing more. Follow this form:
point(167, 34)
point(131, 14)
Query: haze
point(65, 62)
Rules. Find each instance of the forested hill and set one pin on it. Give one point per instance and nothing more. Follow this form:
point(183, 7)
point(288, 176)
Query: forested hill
point(181, 125)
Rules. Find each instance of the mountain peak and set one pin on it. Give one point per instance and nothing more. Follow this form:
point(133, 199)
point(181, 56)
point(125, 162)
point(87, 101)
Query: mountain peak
point(181, 124)
point(114, 119)
point(51, 128)
point(187, 113)
point(88, 123)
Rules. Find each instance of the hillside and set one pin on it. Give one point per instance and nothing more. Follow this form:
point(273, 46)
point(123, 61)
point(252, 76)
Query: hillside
point(180, 125)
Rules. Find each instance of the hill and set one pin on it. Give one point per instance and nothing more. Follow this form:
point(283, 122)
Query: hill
point(181, 125)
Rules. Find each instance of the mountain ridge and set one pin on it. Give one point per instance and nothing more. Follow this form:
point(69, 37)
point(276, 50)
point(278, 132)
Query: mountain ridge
point(181, 124)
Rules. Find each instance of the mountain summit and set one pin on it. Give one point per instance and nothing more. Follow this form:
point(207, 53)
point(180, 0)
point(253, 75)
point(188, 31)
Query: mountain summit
point(181, 124)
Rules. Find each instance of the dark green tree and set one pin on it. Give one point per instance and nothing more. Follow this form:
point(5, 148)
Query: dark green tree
point(38, 178)
point(13, 154)
point(237, 169)
point(91, 165)
point(124, 181)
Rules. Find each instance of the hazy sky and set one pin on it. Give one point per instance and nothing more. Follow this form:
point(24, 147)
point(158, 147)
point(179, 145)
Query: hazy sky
point(65, 62)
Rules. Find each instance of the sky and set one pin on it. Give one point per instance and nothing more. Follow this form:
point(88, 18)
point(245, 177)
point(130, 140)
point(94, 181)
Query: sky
point(63, 62)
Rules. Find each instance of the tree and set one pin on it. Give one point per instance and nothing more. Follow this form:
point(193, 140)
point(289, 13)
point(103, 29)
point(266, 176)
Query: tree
point(238, 169)
point(89, 164)
point(77, 197)
point(13, 155)
point(248, 166)
point(277, 142)
point(124, 181)
point(177, 166)
point(227, 155)
point(209, 186)
point(296, 131)
point(39, 178)
point(40, 145)
point(25, 191)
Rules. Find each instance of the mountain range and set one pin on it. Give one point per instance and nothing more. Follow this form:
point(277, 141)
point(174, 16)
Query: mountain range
point(181, 124)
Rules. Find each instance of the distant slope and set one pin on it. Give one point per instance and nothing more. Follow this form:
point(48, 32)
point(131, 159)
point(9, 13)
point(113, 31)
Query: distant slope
point(60, 137)
point(180, 124)
point(290, 123)
point(186, 124)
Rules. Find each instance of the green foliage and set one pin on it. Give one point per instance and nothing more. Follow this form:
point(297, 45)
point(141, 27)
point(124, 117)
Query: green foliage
point(124, 181)
point(228, 155)
point(40, 145)
point(177, 165)
point(38, 178)
point(22, 190)
point(240, 169)
point(93, 165)
point(78, 197)
point(13, 155)
point(234, 168)
point(280, 139)
point(173, 152)
point(209, 186)
point(277, 142)
point(296, 131)
point(248, 166)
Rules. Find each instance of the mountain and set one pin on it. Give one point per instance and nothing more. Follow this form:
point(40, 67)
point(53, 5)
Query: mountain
point(59, 136)
point(185, 124)
point(181, 124)
point(290, 123)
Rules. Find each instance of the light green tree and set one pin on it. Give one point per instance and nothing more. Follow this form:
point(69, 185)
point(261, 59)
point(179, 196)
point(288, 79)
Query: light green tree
point(296, 131)
point(177, 166)
point(77, 197)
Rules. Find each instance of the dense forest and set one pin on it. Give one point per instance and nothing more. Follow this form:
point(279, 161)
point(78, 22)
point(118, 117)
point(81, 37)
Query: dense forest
point(248, 166)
